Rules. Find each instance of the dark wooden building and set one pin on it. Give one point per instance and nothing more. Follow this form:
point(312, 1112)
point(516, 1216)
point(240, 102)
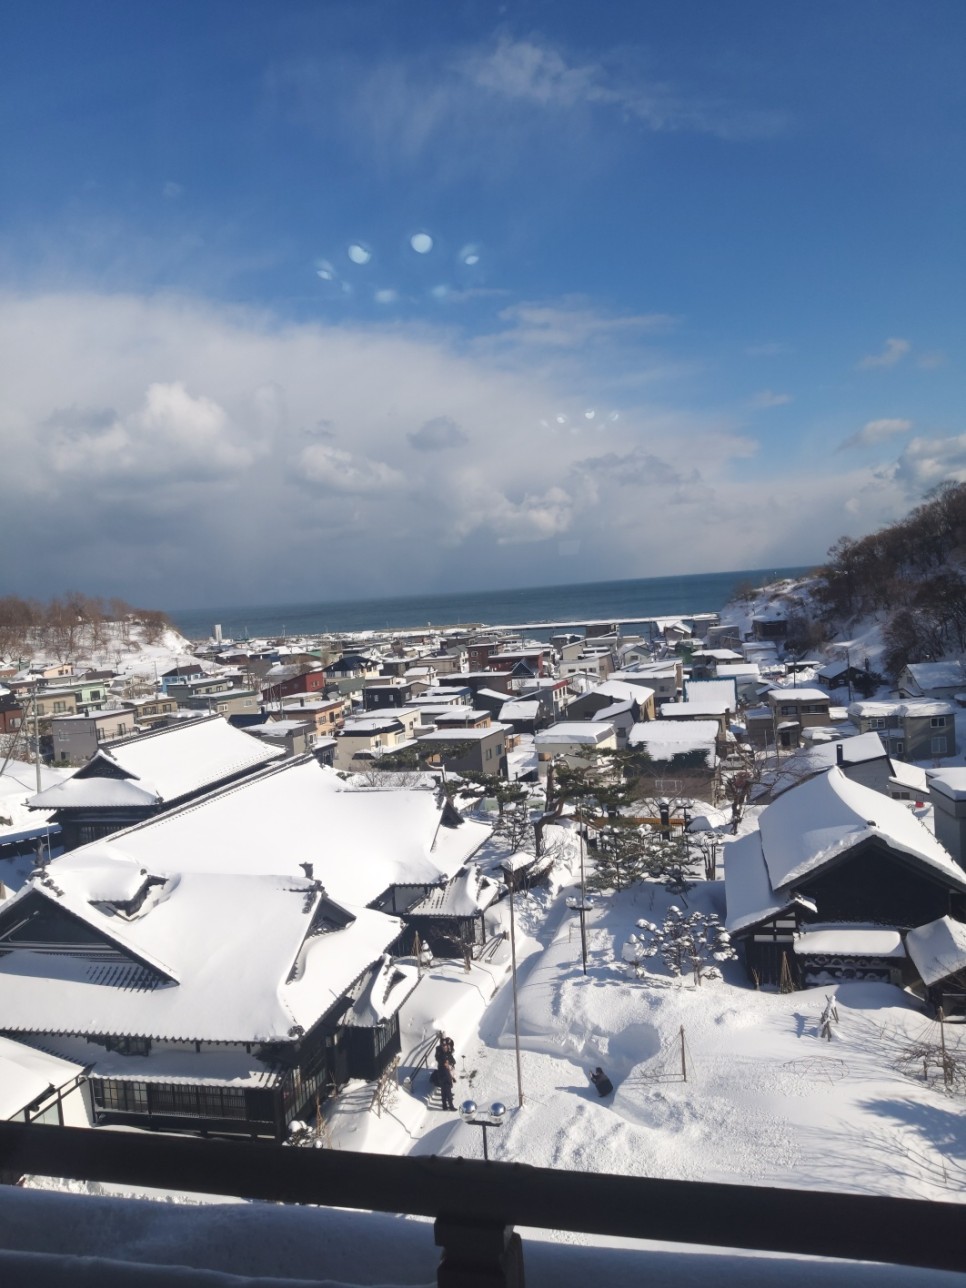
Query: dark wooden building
point(831, 882)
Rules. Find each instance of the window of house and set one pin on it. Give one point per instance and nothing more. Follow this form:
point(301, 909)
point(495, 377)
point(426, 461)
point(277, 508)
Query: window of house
point(938, 746)
point(876, 722)
point(59, 706)
point(123, 1097)
point(938, 722)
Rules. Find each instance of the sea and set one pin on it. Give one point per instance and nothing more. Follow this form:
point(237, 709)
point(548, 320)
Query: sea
point(630, 600)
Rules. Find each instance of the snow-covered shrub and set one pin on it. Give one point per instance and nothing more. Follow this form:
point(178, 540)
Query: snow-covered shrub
point(686, 942)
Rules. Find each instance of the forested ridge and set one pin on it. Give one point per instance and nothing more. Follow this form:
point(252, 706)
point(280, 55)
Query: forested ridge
point(911, 573)
point(67, 624)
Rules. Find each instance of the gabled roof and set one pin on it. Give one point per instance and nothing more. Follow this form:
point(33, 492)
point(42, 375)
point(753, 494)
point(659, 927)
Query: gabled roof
point(813, 824)
point(359, 841)
point(163, 766)
point(244, 957)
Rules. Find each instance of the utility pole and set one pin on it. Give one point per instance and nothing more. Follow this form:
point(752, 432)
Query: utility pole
point(508, 877)
point(37, 739)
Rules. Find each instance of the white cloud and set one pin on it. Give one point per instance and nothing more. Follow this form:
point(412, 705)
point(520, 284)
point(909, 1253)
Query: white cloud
point(926, 462)
point(333, 470)
point(169, 450)
point(893, 351)
point(544, 75)
point(171, 435)
point(877, 431)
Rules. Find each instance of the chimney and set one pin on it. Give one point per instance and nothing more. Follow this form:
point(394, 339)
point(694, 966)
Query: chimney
point(308, 869)
point(839, 754)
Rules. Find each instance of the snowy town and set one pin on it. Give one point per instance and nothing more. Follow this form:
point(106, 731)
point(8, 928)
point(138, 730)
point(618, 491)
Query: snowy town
point(676, 902)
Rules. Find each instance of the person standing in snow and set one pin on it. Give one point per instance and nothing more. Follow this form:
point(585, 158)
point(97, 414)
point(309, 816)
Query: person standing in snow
point(445, 1051)
point(446, 1074)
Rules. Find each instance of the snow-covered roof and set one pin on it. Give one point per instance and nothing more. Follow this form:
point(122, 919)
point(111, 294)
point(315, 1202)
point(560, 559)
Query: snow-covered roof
point(17, 784)
point(382, 993)
point(748, 892)
point(851, 941)
point(821, 756)
point(569, 732)
point(96, 793)
point(667, 738)
point(520, 709)
point(938, 949)
point(949, 782)
point(689, 709)
point(210, 957)
point(467, 894)
point(739, 670)
point(459, 733)
point(911, 776)
point(721, 689)
point(811, 826)
point(623, 691)
point(167, 764)
point(359, 842)
point(937, 675)
point(912, 707)
point(797, 694)
point(27, 1075)
point(821, 818)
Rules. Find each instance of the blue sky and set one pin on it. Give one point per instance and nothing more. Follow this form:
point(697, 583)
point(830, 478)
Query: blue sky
point(311, 299)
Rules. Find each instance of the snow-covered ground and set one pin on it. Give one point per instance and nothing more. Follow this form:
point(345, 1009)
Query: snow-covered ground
point(767, 1100)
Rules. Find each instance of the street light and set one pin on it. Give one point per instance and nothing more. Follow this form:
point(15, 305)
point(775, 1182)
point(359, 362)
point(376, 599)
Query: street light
point(509, 879)
point(582, 905)
point(474, 1117)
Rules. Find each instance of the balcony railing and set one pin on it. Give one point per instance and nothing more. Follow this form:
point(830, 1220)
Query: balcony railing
point(476, 1204)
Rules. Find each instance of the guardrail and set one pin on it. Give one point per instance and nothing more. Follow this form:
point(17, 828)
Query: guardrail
point(476, 1204)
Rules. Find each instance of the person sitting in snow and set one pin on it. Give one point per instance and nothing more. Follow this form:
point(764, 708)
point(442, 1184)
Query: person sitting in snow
point(601, 1081)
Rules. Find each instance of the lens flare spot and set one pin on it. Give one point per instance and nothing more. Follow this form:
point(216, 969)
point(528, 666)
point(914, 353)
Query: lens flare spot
point(387, 296)
point(421, 243)
point(325, 270)
point(359, 254)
